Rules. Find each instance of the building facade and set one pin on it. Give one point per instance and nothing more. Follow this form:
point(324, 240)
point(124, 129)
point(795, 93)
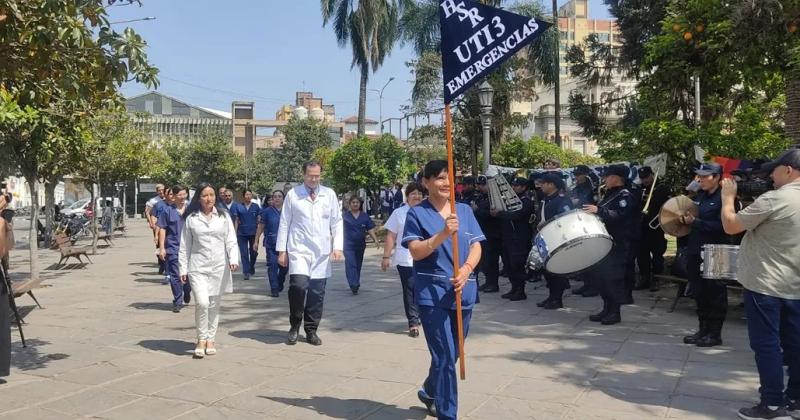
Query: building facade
point(162, 116)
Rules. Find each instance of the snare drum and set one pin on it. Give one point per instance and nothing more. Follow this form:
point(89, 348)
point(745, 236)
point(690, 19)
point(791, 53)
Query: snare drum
point(719, 261)
point(572, 242)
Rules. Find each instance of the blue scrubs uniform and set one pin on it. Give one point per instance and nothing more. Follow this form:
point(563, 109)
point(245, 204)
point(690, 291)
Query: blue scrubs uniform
point(355, 231)
point(276, 275)
point(155, 212)
point(246, 235)
point(435, 297)
point(172, 222)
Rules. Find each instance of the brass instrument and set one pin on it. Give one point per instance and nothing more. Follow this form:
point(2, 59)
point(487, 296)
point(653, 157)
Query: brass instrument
point(650, 195)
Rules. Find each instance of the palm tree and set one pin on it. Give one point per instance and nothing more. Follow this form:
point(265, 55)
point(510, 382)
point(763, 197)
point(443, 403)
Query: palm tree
point(370, 26)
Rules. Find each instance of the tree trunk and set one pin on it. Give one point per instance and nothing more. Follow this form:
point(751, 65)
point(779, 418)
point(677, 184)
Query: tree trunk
point(33, 242)
point(49, 211)
point(94, 220)
point(792, 117)
point(362, 99)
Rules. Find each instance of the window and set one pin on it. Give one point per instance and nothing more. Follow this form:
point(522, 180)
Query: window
point(579, 146)
point(563, 34)
point(603, 37)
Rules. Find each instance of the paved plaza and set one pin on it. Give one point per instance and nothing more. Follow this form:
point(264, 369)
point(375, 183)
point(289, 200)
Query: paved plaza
point(108, 346)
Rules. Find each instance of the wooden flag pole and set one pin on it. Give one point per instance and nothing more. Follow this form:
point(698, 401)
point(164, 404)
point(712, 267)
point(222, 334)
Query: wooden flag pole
point(448, 128)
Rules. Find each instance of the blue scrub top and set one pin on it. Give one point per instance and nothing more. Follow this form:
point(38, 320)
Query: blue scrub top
point(355, 229)
point(158, 208)
point(271, 219)
point(432, 275)
point(247, 217)
point(171, 221)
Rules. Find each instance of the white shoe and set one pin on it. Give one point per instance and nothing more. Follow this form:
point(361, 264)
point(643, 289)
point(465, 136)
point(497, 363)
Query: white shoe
point(210, 348)
point(200, 349)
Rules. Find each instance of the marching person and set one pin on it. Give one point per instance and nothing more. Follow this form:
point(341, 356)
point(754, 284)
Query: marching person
point(769, 270)
point(553, 204)
point(268, 224)
point(492, 246)
point(153, 218)
point(245, 216)
point(387, 203)
point(226, 196)
point(468, 193)
point(5, 295)
point(401, 258)
point(208, 254)
point(309, 238)
point(584, 193)
point(517, 235)
point(711, 295)
point(653, 244)
point(170, 226)
point(428, 236)
point(108, 218)
point(615, 210)
point(357, 225)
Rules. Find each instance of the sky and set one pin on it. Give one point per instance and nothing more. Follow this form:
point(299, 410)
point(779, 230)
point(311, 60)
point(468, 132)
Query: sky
point(212, 52)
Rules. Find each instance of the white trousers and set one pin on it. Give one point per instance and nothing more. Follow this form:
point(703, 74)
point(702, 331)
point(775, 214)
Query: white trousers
point(206, 313)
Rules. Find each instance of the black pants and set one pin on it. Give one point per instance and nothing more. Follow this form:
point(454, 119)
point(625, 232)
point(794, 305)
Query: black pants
point(409, 302)
point(556, 285)
point(491, 249)
point(610, 277)
point(305, 301)
point(514, 263)
point(650, 255)
point(5, 328)
point(711, 295)
point(630, 268)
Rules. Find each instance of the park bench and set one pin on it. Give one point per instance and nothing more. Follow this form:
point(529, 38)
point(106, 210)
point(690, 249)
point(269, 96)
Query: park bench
point(107, 237)
point(68, 251)
point(20, 288)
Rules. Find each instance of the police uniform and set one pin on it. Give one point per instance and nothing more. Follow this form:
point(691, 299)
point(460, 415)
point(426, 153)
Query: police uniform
point(517, 235)
point(711, 295)
point(492, 246)
point(650, 255)
point(553, 205)
point(582, 194)
point(467, 196)
point(635, 239)
point(616, 210)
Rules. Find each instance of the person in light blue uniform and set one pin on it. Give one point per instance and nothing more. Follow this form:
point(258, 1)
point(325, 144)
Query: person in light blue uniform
point(357, 225)
point(246, 220)
point(170, 224)
point(428, 236)
point(268, 224)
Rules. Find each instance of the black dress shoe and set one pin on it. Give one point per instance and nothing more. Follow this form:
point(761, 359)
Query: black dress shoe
point(590, 293)
point(692, 339)
point(313, 339)
point(430, 403)
point(274, 293)
point(413, 333)
point(292, 338)
point(709, 340)
point(354, 290)
point(598, 316)
point(554, 304)
point(611, 318)
point(187, 298)
point(491, 289)
point(542, 303)
point(518, 296)
point(176, 308)
point(509, 294)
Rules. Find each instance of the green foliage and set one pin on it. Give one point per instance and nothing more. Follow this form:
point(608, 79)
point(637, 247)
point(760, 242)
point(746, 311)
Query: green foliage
point(532, 153)
point(169, 165)
point(368, 164)
point(426, 143)
point(261, 171)
point(212, 159)
point(303, 138)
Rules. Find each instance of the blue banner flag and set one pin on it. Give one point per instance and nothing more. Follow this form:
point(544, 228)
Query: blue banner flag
point(477, 38)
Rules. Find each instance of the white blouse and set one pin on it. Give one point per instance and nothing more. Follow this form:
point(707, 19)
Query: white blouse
point(208, 247)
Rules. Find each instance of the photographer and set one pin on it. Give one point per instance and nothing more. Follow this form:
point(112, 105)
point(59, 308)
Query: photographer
point(769, 270)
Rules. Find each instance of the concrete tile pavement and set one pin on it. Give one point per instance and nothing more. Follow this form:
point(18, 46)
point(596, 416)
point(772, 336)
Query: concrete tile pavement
point(107, 346)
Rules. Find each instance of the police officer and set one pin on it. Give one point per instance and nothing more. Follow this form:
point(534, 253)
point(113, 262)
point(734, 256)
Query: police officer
point(584, 193)
point(468, 193)
point(653, 244)
point(554, 203)
point(493, 245)
point(711, 295)
point(635, 238)
point(516, 237)
point(616, 210)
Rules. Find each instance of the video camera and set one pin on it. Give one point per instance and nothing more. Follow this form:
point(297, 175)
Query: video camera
point(752, 182)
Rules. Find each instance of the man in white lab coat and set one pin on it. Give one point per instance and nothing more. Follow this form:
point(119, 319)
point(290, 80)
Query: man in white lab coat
point(309, 237)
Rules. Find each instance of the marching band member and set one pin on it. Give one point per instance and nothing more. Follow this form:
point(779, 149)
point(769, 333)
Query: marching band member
point(616, 211)
point(553, 204)
point(584, 192)
point(517, 234)
point(650, 255)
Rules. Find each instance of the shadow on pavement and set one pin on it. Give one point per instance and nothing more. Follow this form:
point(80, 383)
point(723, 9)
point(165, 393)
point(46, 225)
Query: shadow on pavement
point(265, 336)
point(32, 358)
point(159, 306)
point(350, 408)
point(176, 347)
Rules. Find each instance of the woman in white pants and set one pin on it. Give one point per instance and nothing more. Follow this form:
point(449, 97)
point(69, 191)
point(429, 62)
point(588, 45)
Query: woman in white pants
point(207, 230)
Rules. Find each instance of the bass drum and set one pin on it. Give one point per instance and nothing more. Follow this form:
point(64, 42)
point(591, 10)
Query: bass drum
point(572, 242)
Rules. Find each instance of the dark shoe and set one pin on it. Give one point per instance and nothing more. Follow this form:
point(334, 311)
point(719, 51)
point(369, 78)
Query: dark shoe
point(589, 292)
point(761, 411)
point(709, 340)
point(600, 315)
point(187, 298)
point(518, 296)
point(542, 303)
point(313, 339)
point(176, 308)
point(292, 338)
point(246, 277)
point(274, 293)
point(701, 331)
point(354, 290)
point(554, 304)
point(579, 290)
point(793, 409)
point(509, 294)
point(491, 289)
point(430, 403)
point(611, 318)
point(413, 332)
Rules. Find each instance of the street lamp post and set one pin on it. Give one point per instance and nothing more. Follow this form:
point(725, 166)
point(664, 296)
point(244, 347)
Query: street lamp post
point(380, 102)
point(486, 96)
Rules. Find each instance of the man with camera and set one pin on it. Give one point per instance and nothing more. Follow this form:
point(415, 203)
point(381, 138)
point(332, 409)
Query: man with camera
point(769, 270)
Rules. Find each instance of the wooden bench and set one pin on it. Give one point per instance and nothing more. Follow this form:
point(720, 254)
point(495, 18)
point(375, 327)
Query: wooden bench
point(68, 251)
point(683, 282)
point(107, 237)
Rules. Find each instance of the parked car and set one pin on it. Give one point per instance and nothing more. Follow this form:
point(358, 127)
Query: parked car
point(83, 207)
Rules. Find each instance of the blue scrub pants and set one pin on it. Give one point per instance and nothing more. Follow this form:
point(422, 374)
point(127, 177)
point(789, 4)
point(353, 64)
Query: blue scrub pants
point(353, 260)
point(276, 275)
point(247, 254)
point(181, 293)
point(439, 325)
point(773, 325)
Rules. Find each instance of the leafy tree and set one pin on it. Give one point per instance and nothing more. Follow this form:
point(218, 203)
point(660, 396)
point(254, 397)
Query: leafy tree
point(62, 59)
point(369, 164)
point(211, 159)
point(302, 138)
point(532, 153)
point(261, 171)
point(370, 26)
point(170, 164)
point(426, 143)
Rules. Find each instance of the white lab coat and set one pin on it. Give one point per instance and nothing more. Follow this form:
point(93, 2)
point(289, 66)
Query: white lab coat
point(310, 231)
point(208, 247)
